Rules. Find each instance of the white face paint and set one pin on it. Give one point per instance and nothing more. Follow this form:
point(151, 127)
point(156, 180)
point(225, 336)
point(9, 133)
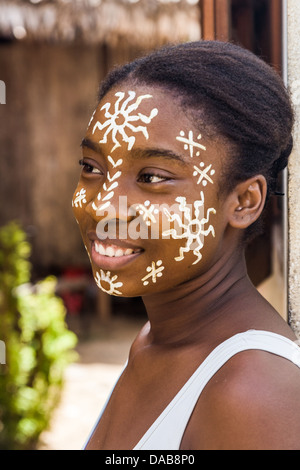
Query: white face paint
point(113, 163)
point(204, 174)
point(192, 224)
point(108, 189)
point(121, 120)
point(173, 203)
point(154, 271)
point(147, 210)
point(107, 283)
point(118, 123)
point(190, 144)
point(191, 228)
point(80, 198)
point(92, 117)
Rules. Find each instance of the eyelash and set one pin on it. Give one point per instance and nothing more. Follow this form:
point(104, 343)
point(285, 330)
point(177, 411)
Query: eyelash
point(152, 175)
point(87, 168)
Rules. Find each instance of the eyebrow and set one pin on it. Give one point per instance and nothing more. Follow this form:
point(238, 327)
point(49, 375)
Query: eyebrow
point(138, 153)
point(157, 153)
point(91, 145)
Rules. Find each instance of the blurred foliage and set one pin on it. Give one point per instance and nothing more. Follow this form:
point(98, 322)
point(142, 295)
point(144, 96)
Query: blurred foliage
point(38, 345)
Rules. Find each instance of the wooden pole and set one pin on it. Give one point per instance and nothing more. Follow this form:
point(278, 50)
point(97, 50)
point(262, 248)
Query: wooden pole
point(293, 81)
point(216, 19)
point(223, 20)
point(208, 19)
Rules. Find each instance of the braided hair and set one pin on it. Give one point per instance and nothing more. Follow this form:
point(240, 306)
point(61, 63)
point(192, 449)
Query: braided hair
point(242, 98)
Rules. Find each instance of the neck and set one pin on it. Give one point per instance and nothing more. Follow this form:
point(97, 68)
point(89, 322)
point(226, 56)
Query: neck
point(186, 313)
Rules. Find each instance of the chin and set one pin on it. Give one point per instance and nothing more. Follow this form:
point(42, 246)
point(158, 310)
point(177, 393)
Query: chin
point(118, 286)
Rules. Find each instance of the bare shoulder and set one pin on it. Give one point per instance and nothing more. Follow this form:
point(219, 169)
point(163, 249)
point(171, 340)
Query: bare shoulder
point(251, 403)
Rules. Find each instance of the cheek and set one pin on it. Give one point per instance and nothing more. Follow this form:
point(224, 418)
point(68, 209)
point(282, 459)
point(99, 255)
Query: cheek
point(180, 233)
point(80, 202)
point(83, 196)
point(175, 239)
point(190, 224)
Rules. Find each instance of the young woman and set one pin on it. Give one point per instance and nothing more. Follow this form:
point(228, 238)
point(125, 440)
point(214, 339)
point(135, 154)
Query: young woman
point(179, 159)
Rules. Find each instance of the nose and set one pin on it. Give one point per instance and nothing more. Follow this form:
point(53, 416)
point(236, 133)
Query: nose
point(110, 204)
point(112, 213)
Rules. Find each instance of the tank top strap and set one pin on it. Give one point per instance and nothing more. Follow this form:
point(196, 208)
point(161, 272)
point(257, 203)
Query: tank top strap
point(168, 429)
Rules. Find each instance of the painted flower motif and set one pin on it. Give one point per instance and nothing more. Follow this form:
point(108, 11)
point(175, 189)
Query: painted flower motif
point(191, 144)
point(104, 278)
point(204, 174)
point(147, 211)
point(121, 120)
point(154, 271)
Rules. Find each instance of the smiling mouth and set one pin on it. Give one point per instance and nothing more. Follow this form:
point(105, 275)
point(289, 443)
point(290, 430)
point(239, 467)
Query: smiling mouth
point(114, 251)
point(110, 256)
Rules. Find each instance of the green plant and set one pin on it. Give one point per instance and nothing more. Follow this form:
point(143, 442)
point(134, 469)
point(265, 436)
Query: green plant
point(38, 345)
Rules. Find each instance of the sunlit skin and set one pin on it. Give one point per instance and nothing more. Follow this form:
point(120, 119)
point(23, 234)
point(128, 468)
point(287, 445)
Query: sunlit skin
point(192, 307)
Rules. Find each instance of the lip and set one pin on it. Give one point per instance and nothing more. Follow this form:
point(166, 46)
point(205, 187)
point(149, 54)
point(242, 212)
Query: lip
point(111, 263)
point(92, 236)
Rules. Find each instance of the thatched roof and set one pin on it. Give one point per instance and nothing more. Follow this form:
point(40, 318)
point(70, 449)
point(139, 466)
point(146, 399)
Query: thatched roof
point(148, 23)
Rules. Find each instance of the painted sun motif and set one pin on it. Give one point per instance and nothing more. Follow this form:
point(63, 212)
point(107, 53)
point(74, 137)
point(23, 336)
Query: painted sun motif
point(121, 120)
point(105, 278)
point(192, 229)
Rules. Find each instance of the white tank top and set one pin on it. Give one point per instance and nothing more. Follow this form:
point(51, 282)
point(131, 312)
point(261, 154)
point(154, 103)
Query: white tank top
point(167, 430)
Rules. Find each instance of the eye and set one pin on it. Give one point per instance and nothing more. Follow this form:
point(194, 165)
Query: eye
point(151, 178)
point(88, 168)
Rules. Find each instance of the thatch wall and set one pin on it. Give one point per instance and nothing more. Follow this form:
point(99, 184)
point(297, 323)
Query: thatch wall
point(144, 22)
point(51, 90)
point(48, 105)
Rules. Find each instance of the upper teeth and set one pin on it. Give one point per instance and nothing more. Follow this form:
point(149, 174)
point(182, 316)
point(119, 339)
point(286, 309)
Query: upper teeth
point(112, 251)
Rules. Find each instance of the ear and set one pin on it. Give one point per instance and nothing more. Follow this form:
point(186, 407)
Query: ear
point(247, 201)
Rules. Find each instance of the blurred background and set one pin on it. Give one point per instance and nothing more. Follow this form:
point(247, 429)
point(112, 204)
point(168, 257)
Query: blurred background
point(53, 55)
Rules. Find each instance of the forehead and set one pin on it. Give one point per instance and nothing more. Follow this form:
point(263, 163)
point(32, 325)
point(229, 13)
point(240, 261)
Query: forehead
point(137, 99)
point(152, 118)
point(137, 114)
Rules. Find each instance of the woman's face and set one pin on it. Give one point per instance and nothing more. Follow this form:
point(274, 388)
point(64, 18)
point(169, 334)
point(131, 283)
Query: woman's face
point(147, 199)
